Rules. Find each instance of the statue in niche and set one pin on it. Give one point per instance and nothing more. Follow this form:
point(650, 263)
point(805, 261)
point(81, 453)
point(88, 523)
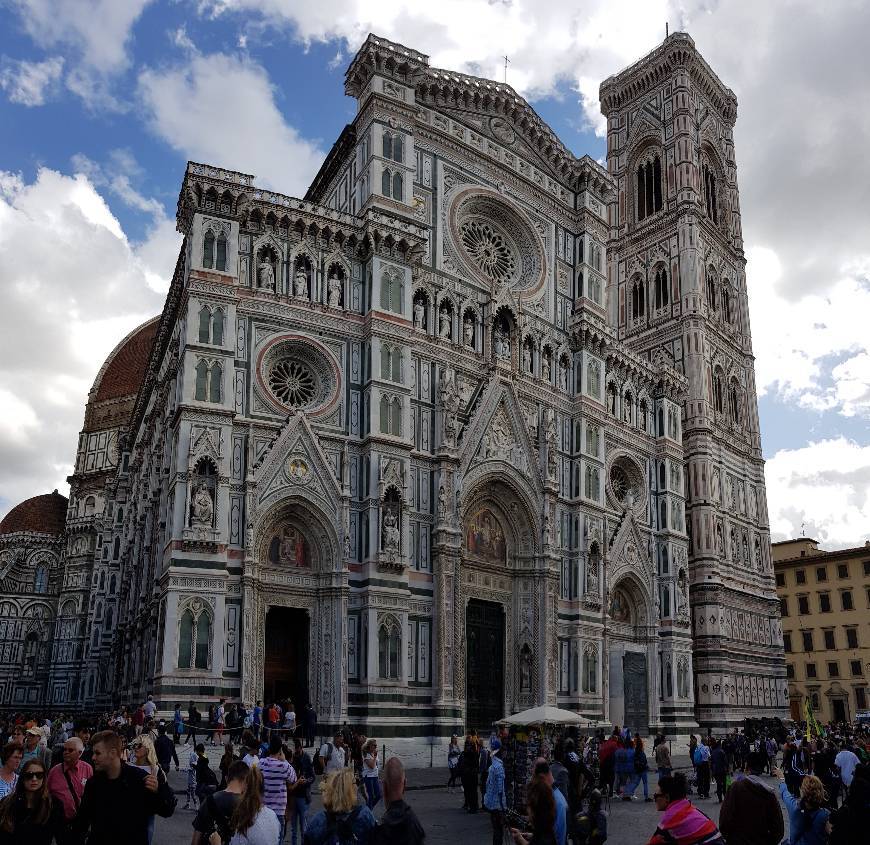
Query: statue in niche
point(759, 563)
point(715, 484)
point(333, 291)
point(266, 274)
point(546, 369)
point(449, 397)
point(563, 375)
point(468, 332)
point(442, 502)
point(202, 506)
point(745, 551)
point(527, 358)
point(525, 669)
point(592, 575)
point(551, 435)
point(391, 531)
point(419, 313)
point(444, 324)
point(300, 285)
point(611, 401)
point(682, 597)
point(502, 343)
point(347, 546)
point(720, 541)
point(626, 410)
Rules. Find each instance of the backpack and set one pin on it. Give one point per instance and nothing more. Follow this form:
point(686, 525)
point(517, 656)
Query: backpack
point(320, 762)
point(640, 761)
point(339, 831)
point(222, 824)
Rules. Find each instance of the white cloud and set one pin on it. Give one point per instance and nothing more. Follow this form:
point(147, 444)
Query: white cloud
point(823, 489)
point(73, 286)
point(30, 83)
point(221, 110)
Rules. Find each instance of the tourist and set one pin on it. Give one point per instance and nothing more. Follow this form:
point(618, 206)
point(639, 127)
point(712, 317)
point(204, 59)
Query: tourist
point(119, 799)
point(300, 798)
point(252, 822)
point(227, 759)
point(792, 767)
point(558, 771)
point(541, 806)
point(468, 765)
point(807, 815)
point(681, 822)
point(370, 774)
point(11, 760)
point(591, 826)
point(220, 718)
point(216, 813)
point(333, 755)
point(663, 758)
point(607, 760)
point(278, 774)
point(494, 798)
point(164, 748)
point(342, 818)
point(310, 724)
point(28, 815)
point(453, 755)
point(138, 720)
point(251, 747)
point(192, 760)
point(560, 827)
point(145, 758)
point(846, 761)
point(399, 825)
point(83, 732)
point(750, 813)
point(34, 748)
point(289, 722)
point(66, 781)
point(149, 708)
point(623, 765)
point(851, 822)
point(206, 779)
point(719, 768)
point(193, 720)
point(641, 767)
point(701, 759)
point(177, 724)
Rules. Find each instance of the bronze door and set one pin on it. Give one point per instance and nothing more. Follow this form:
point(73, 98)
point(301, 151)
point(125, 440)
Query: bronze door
point(484, 665)
point(634, 678)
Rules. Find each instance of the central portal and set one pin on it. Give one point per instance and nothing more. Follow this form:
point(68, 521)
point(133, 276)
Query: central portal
point(286, 656)
point(484, 680)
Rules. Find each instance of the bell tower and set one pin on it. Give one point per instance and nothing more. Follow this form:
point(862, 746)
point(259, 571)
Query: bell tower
point(676, 288)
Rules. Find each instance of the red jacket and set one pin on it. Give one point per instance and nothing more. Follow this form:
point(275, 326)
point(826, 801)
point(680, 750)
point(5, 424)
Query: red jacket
point(607, 749)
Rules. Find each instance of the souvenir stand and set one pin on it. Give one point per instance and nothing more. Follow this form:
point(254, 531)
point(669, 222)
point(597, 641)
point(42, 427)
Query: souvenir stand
point(533, 733)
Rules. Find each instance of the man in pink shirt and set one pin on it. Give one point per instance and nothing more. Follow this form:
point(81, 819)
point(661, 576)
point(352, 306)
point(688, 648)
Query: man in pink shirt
point(66, 780)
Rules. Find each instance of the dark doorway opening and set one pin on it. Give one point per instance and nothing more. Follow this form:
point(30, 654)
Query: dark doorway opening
point(634, 679)
point(286, 656)
point(839, 709)
point(484, 680)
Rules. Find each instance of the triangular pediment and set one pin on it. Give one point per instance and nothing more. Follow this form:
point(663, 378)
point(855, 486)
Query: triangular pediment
point(643, 124)
point(295, 464)
point(628, 551)
point(498, 432)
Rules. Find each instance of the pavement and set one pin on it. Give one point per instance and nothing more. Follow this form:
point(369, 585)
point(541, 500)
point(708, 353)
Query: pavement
point(441, 814)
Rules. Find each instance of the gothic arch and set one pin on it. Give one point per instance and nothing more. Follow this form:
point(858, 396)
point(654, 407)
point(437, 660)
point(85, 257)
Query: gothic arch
point(309, 518)
point(639, 597)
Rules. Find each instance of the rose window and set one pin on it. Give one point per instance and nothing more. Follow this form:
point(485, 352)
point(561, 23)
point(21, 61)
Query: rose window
point(292, 382)
point(489, 250)
point(619, 482)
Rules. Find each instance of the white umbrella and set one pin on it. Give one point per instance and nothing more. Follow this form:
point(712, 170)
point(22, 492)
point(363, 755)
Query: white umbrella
point(546, 715)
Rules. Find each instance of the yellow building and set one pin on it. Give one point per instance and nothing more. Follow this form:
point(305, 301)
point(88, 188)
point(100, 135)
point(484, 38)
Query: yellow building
point(825, 604)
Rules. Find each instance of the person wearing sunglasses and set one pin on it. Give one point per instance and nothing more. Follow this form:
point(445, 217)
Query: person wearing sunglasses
point(681, 822)
point(29, 814)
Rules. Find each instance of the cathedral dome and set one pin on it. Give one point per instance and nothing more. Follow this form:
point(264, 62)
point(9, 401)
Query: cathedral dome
point(124, 369)
point(44, 514)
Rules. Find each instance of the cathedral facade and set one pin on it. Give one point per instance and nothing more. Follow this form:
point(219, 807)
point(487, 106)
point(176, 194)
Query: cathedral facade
point(471, 427)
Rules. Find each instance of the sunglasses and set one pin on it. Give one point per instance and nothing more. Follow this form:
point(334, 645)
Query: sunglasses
point(33, 775)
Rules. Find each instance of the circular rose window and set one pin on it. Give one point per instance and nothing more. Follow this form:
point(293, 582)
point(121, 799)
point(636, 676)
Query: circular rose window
point(298, 374)
point(619, 482)
point(496, 241)
point(626, 481)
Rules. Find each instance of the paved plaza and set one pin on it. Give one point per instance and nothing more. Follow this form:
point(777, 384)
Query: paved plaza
point(445, 823)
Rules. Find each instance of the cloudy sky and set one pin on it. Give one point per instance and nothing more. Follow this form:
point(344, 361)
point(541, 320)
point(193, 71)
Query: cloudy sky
point(103, 101)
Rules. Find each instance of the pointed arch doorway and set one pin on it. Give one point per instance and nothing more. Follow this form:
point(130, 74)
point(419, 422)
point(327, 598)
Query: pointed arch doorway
point(285, 662)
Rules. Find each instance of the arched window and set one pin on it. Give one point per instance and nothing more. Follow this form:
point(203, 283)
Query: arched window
point(221, 258)
point(204, 324)
point(396, 417)
point(398, 186)
point(194, 637)
point(208, 250)
point(669, 679)
point(31, 654)
point(734, 402)
point(385, 415)
point(110, 617)
point(391, 363)
point(683, 679)
point(387, 182)
point(649, 187)
point(116, 548)
point(712, 299)
point(389, 649)
point(638, 303)
point(718, 392)
point(214, 387)
point(726, 303)
point(40, 581)
point(119, 516)
point(102, 581)
point(663, 515)
point(217, 327)
point(392, 290)
point(710, 202)
point(201, 381)
point(661, 287)
point(387, 144)
point(113, 585)
point(90, 506)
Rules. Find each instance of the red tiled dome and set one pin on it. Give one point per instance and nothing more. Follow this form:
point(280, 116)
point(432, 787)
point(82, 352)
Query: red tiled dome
point(45, 514)
point(124, 369)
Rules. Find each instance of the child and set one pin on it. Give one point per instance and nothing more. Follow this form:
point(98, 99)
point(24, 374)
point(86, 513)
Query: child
point(191, 779)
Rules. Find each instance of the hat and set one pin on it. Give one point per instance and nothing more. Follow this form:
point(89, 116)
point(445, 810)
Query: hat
point(495, 744)
point(34, 731)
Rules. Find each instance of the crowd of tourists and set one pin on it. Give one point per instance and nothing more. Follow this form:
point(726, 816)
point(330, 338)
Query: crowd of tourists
point(824, 785)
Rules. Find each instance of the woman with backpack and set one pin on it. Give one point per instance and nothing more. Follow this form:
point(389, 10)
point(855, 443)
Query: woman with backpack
point(641, 767)
point(343, 820)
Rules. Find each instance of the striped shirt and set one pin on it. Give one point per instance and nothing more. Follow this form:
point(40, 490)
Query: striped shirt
point(276, 775)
